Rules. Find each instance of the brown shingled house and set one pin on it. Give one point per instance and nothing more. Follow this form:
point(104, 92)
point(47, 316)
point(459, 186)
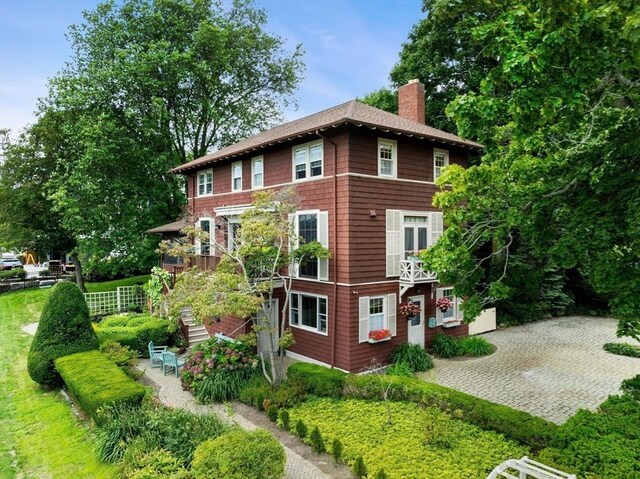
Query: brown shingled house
point(366, 180)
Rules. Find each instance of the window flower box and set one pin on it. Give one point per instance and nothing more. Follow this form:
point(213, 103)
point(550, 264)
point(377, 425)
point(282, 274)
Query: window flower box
point(379, 335)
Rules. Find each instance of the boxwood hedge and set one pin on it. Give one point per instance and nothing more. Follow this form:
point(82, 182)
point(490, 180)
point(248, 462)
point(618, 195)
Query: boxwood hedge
point(532, 431)
point(135, 331)
point(95, 381)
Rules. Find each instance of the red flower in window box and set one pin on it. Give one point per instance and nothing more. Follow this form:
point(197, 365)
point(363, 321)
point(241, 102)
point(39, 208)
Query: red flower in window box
point(410, 309)
point(379, 334)
point(443, 304)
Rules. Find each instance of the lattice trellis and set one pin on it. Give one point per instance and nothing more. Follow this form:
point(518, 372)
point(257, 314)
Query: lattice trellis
point(114, 301)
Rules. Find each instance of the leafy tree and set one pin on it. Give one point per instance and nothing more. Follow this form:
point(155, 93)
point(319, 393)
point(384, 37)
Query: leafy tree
point(245, 280)
point(64, 328)
point(152, 84)
point(558, 114)
point(442, 53)
point(27, 218)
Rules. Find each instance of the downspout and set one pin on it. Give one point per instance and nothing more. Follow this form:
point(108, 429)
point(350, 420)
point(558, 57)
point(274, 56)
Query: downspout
point(334, 239)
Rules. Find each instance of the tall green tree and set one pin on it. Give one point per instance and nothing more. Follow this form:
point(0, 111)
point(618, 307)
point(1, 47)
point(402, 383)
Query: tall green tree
point(442, 53)
point(559, 116)
point(152, 84)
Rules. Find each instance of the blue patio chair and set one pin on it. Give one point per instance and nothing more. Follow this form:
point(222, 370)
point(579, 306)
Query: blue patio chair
point(171, 361)
point(155, 355)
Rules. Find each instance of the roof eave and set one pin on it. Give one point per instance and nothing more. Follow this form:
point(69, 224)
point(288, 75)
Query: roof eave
point(462, 144)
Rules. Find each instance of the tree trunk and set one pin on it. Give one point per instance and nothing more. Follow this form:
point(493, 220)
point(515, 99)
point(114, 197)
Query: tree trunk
point(78, 267)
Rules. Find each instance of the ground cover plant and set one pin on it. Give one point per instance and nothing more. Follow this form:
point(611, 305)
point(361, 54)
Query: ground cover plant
point(41, 437)
point(135, 330)
point(64, 329)
point(217, 369)
point(605, 443)
point(96, 382)
point(418, 441)
point(623, 349)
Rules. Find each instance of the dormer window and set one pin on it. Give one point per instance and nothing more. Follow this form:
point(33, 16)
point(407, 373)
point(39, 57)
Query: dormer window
point(308, 160)
point(205, 183)
point(440, 161)
point(387, 158)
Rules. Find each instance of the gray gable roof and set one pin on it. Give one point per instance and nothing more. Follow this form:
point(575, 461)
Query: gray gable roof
point(352, 112)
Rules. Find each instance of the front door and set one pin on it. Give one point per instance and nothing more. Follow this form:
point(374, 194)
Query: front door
point(270, 321)
point(415, 327)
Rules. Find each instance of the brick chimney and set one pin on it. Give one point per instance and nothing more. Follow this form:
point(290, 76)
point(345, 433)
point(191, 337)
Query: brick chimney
point(411, 101)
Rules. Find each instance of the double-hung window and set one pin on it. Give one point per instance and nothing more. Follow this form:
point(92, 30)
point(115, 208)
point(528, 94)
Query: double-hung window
point(415, 235)
point(387, 158)
point(440, 161)
point(309, 312)
point(376, 313)
point(205, 183)
point(312, 226)
point(453, 315)
point(308, 160)
point(203, 247)
point(236, 176)
point(257, 172)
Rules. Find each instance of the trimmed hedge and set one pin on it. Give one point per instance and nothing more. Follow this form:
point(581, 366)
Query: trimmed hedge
point(318, 380)
point(623, 349)
point(64, 329)
point(135, 331)
point(532, 431)
point(96, 382)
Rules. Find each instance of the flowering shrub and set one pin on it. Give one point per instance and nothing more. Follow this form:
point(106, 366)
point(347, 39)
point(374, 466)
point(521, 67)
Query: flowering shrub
point(410, 309)
point(443, 304)
point(379, 334)
point(217, 369)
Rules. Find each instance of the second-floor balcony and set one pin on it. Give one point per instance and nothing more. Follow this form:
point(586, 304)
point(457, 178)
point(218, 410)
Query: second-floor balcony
point(411, 272)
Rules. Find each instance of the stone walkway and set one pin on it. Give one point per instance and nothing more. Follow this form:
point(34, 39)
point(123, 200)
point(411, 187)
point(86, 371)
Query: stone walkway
point(170, 393)
point(550, 368)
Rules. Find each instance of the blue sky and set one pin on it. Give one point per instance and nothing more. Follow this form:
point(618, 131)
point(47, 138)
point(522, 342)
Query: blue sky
point(350, 47)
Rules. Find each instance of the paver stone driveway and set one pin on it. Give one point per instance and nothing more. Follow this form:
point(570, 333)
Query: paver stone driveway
point(549, 368)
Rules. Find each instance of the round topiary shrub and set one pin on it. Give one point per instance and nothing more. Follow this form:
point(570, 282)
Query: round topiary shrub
point(238, 455)
point(64, 328)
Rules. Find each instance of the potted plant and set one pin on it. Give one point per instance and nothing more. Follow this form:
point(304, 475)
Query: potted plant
point(378, 335)
point(443, 304)
point(410, 309)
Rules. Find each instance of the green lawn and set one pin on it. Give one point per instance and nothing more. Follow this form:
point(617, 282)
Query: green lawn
point(40, 436)
point(113, 285)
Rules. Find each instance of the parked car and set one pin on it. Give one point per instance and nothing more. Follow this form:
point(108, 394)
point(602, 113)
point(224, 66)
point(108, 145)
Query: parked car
point(10, 263)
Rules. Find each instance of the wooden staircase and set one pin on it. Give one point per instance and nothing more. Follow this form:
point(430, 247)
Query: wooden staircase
point(196, 333)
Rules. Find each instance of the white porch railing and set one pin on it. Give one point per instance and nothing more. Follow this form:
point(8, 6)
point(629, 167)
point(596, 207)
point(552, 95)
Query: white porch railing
point(107, 302)
point(411, 272)
point(526, 468)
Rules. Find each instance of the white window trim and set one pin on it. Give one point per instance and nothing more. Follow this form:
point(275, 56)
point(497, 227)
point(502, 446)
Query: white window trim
point(204, 172)
point(198, 245)
point(295, 243)
point(446, 155)
point(308, 164)
point(257, 159)
point(302, 326)
point(389, 305)
point(457, 314)
point(394, 158)
point(233, 178)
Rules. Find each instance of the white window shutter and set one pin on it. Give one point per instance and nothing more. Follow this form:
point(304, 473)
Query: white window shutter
point(293, 244)
point(460, 316)
point(363, 323)
point(394, 242)
point(390, 308)
point(438, 312)
point(436, 226)
point(323, 239)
